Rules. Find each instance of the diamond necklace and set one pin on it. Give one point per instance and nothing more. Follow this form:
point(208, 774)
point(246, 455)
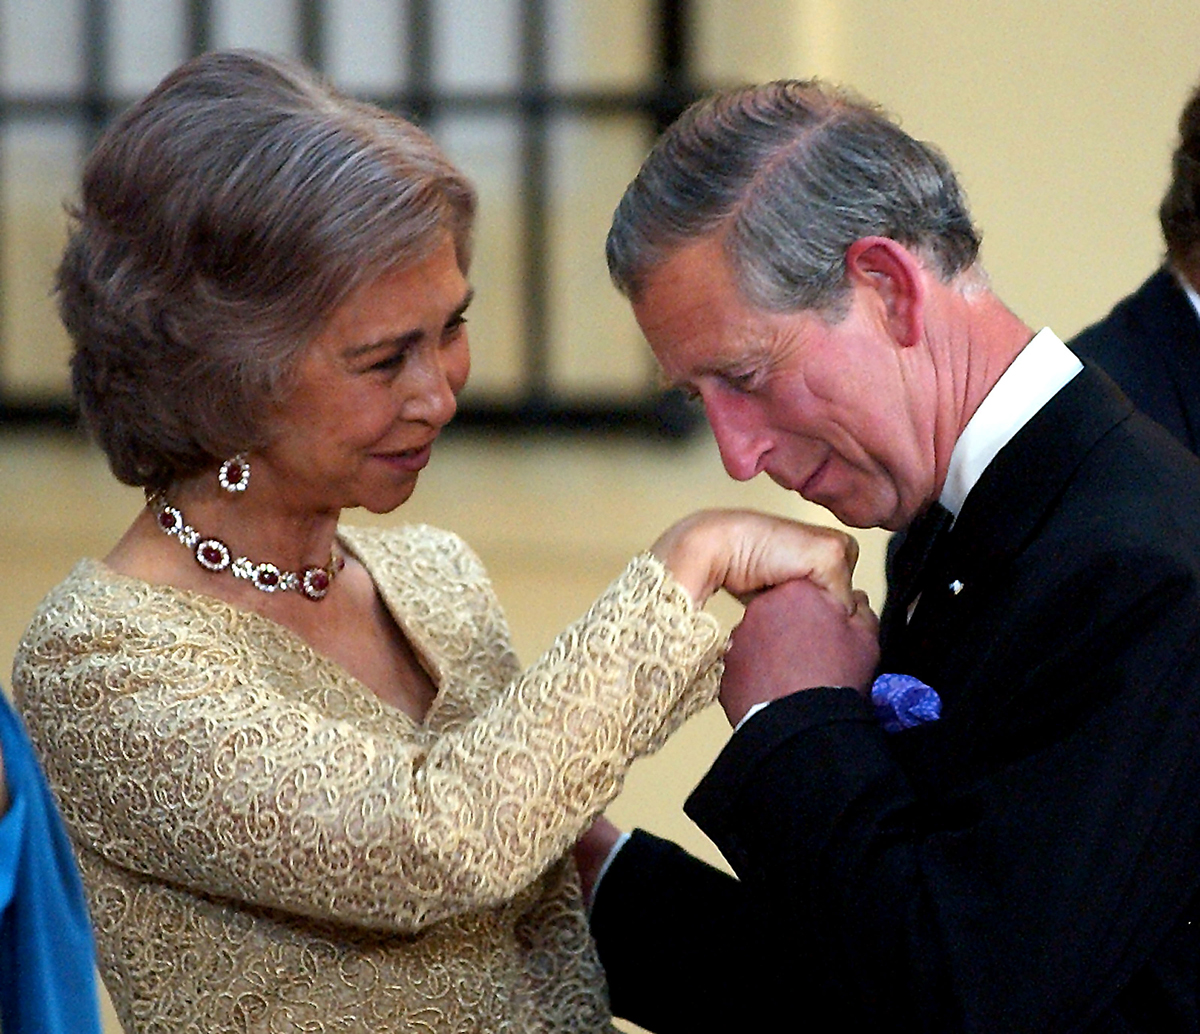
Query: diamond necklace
point(213, 555)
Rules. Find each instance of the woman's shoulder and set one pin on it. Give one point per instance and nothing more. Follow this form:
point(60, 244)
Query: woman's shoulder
point(81, 624)
point(89, 592)
point(94, 589)
point(94, 610)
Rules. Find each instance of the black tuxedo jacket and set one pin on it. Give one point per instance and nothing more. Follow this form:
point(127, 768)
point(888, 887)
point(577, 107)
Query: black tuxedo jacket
point(1150, 345)
point(1029, 862)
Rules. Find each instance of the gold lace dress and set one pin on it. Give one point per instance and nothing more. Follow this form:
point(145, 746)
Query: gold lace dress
point(269, 847)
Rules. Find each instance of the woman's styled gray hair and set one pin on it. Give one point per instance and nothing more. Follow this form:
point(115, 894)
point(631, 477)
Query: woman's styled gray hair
point(222, 220)
point(789, 174)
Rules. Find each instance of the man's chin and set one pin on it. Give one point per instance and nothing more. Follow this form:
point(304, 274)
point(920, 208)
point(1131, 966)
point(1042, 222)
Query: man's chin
point(846, 512)
point(849, 516)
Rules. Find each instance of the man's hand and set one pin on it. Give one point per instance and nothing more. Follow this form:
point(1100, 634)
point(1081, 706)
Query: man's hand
point(794, 637)
point(591, 852)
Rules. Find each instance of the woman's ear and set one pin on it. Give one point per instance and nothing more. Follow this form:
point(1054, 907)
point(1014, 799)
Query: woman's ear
point(897, 277)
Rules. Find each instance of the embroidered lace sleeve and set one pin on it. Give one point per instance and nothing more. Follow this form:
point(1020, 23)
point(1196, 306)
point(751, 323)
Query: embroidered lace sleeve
point(207, 747)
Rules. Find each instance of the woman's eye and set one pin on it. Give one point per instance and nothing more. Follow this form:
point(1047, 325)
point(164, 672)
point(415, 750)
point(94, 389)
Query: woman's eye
point(390, 362)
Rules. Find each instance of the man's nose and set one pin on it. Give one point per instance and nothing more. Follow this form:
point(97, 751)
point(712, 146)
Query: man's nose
point(741, 435)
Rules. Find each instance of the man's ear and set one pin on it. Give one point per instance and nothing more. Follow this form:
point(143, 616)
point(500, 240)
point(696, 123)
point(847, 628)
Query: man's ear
point(894, 273)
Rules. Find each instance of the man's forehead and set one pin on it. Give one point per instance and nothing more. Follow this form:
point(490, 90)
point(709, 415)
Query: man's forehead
point(690, 305)
point(694, 335)
point(698, 262)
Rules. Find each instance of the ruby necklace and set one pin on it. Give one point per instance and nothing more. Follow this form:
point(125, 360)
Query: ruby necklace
point(213, 555)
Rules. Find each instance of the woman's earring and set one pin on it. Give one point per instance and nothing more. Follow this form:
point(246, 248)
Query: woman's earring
point(234, 474)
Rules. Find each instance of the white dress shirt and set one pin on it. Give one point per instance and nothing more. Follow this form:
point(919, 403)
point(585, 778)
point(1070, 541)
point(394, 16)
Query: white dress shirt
point(1033, 378)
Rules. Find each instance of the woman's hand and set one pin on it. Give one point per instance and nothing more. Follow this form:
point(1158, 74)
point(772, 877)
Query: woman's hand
point(745, 552)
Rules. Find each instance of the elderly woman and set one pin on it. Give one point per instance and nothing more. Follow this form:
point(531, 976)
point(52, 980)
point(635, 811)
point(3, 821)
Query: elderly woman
point(309, 786)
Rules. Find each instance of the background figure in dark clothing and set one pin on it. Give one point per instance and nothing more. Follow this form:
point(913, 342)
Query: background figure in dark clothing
point(1150, 342)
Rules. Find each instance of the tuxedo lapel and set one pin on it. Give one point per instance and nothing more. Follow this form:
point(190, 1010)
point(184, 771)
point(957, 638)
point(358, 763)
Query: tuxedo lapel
point(1022, 484)
point(1002, 513)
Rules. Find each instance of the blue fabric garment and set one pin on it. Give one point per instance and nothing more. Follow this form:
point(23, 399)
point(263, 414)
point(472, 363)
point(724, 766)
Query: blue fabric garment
point(47, 959)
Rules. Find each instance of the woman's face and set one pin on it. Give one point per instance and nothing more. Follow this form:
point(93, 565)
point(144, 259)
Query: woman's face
point(373, 391)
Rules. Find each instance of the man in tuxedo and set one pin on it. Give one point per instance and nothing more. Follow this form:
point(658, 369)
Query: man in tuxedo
point(1150, 342)
point(1002, 831)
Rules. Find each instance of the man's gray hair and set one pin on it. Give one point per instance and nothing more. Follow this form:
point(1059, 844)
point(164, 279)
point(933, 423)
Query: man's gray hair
point(788, 175)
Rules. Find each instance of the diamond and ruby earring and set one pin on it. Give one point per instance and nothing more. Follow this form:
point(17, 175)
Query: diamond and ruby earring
point(234, 474)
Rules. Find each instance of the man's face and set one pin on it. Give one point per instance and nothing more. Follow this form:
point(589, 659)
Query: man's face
point(830, 411)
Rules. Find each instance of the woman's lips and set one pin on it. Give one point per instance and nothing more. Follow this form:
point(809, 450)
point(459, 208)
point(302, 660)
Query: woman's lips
point(410, 460)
